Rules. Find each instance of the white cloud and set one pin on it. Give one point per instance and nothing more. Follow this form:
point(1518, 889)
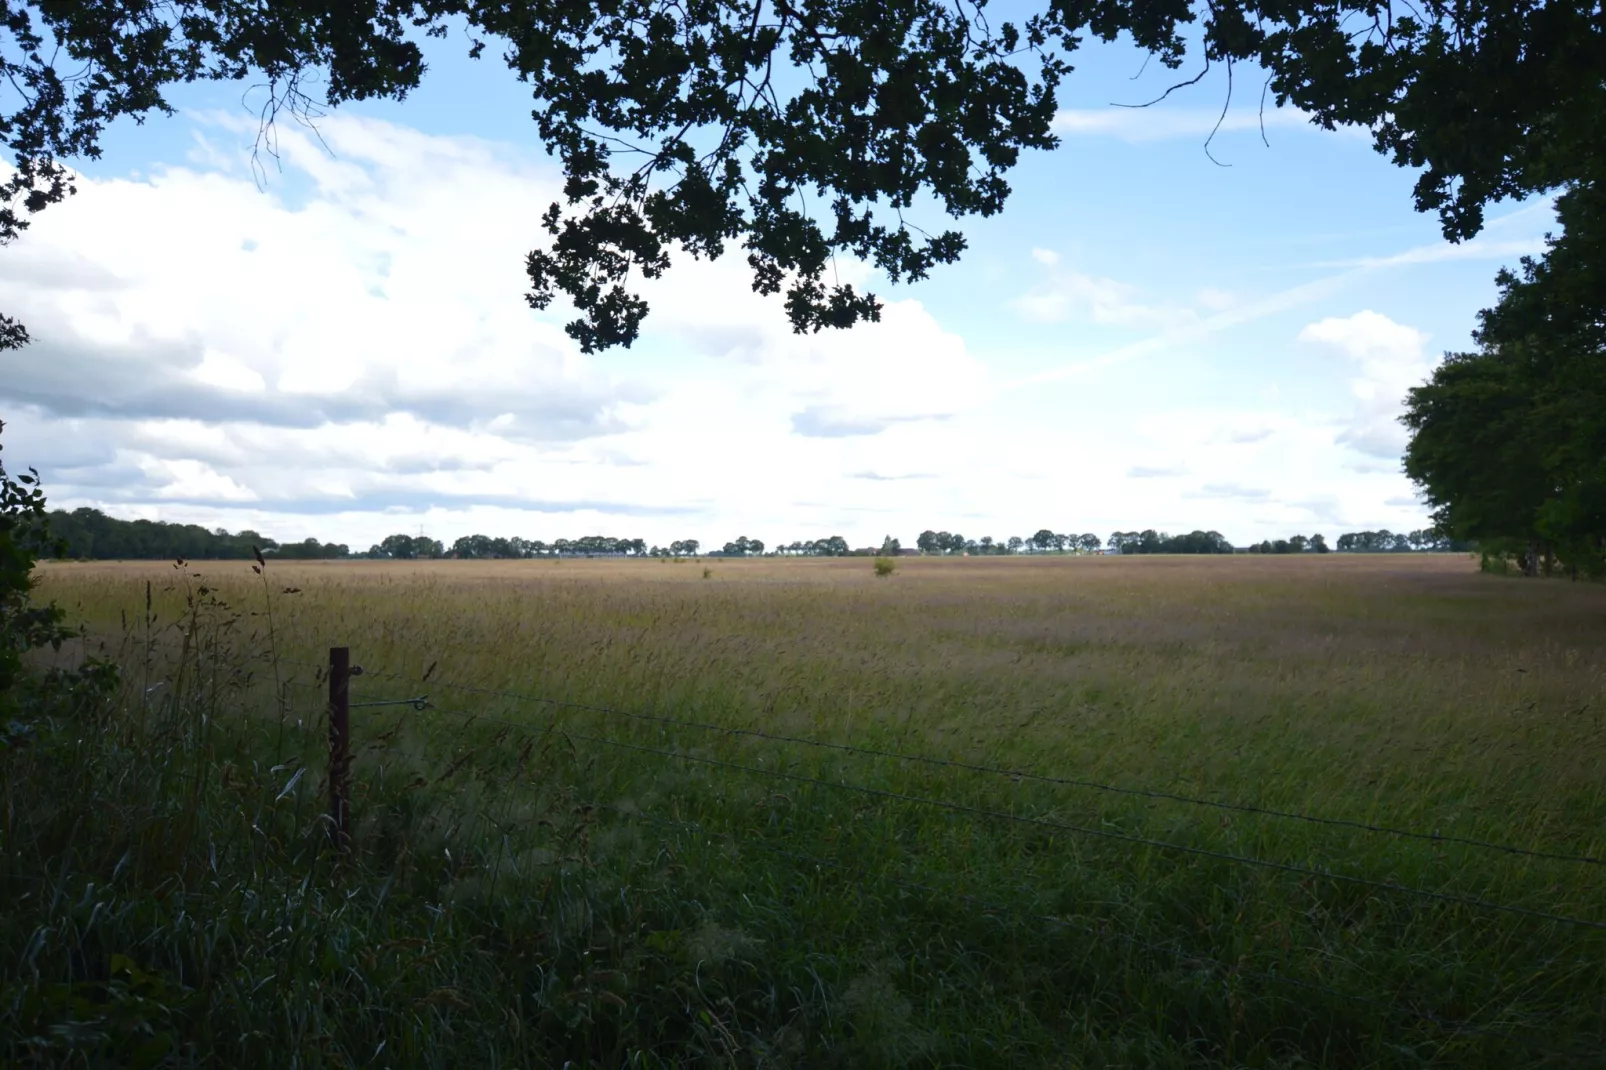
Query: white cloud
point(352, 346)
point(1389, 359)
point(1065, 295)
point(349, 354)
point(1161, 122)
point(1440, 252)
point(394, 288)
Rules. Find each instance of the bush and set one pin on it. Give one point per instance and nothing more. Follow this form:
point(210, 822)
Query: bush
point(884, 566)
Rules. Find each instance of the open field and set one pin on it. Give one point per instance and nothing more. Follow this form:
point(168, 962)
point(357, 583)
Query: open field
point(596, 886)
point(1412, 683)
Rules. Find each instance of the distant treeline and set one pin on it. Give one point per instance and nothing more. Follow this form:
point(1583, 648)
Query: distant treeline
point(89, 534)
point(1386, 542)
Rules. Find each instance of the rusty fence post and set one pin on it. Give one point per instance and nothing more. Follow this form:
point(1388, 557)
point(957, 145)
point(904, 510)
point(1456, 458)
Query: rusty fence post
point(340, 745)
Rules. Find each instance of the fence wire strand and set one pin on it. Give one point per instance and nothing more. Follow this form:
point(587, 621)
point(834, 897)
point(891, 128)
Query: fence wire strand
point(1392, 887)
point(1224, 971)
point(1014, 774)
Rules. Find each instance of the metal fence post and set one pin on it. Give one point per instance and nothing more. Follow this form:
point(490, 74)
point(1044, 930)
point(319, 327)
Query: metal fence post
point(339, 745)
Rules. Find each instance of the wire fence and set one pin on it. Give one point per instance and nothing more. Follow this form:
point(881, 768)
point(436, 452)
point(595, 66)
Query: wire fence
point(417, 700)
point(1017, 775)
point(1046, 822)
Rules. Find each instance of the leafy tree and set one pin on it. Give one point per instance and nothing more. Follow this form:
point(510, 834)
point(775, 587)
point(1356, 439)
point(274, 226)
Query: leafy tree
point(890, 547)
point(90, 534)
point(693, 126)
point(1044, 540)
point(743, 546)
point(1089, 543)
point(927, 542)
point(1318, 544)
point(309, 549)
point(407, 548)
point(1150, 541)
point(834, 546)
point(1509, 442)
point(472, 546)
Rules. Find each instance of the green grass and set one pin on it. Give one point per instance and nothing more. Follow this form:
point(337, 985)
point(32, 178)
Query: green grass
point(535, 883)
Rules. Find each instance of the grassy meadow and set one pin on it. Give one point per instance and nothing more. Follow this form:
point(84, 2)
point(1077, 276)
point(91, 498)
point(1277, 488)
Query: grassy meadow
point(571, 857)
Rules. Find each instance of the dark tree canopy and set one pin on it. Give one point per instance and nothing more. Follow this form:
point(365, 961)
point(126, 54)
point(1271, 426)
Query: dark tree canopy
point(1509, 442)
point(803, 129)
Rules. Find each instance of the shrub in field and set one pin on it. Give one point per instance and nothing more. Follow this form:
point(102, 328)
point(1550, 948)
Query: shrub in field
point(884, 566)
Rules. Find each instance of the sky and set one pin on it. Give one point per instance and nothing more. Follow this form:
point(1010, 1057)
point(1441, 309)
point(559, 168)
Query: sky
point(337, 344)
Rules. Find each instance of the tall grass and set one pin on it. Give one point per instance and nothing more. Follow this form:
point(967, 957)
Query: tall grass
point(535, 883)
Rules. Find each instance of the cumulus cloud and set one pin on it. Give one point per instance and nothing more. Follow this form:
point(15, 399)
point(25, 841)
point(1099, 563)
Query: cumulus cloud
point(1230, 490)
point(1388, 359)
point(194, 295)
point(353, 342)
point(348, 354)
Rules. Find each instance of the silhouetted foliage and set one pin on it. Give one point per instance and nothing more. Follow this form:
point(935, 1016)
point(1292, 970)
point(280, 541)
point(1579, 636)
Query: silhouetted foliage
point(691, 127)
point(89, 534)
point(1158, 542)
point(1509, 442)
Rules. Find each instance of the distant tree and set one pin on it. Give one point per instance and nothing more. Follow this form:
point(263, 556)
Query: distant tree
point(91, 534)
point(472, 546)
point(1015, 544)
point(395, 547)
point(309, 549)
point(890, 547)
point(1044, 540)
point(1150, 541)
point(1318, 544)
point(927, 542)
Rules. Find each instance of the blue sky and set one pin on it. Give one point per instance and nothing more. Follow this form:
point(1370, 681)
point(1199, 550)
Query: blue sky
point(1144, 338)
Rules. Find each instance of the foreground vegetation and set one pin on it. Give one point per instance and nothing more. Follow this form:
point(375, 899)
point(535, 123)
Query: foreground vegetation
point(535, 882)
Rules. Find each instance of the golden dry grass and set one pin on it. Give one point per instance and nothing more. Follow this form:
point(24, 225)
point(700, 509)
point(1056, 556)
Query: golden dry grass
point(759, 902)
point(1339, 679)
